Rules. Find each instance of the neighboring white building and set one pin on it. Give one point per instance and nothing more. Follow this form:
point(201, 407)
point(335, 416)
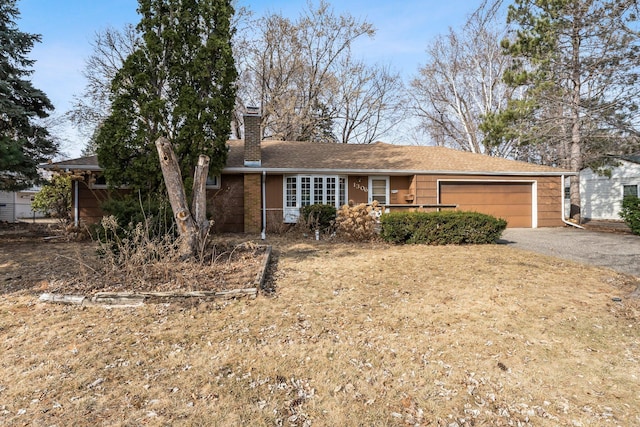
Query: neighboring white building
point(602, 195)
point(17, 205)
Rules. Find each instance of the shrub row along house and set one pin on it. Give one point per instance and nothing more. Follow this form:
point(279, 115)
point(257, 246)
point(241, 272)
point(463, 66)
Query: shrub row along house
point(265, 183)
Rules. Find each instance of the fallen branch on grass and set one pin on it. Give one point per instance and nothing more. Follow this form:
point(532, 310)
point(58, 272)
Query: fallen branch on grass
point(125, 299)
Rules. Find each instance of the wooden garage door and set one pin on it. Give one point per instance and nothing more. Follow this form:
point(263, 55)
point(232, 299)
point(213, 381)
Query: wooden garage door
point(508, 200)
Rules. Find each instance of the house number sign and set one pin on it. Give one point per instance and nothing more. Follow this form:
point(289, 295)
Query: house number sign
point(360, 187)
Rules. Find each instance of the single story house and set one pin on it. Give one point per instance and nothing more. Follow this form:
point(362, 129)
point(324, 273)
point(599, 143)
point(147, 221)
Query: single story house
point(601, 195)
point(265, 183)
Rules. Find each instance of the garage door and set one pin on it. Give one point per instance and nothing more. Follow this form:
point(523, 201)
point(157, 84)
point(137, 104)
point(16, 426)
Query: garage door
point(508, 200)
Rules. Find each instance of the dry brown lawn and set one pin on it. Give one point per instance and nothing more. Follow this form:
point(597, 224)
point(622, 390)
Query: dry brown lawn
point(354, 335)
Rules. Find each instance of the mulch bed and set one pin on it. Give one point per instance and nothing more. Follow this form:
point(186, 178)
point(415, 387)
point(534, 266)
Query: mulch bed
point(74, 268)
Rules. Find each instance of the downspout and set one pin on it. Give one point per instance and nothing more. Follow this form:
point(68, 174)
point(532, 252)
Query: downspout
point(263, 235)
point(562, 210)
point(76, 209)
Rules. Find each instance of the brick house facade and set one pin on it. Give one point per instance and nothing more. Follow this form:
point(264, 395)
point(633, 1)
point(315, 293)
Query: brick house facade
point(265, 183)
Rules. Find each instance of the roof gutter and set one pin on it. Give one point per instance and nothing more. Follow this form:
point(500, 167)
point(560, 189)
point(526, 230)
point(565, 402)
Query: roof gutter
point(389, 172)
point(334, 171)
point(70, 167)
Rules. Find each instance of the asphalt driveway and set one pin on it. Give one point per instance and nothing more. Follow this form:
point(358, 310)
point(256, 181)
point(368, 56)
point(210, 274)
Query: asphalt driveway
point(620, 252)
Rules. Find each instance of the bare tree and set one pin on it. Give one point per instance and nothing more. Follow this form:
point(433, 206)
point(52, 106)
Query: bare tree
point(303, 75)
point(369, 102)
point(461, 82)
point(110, 49)
point(242, 40)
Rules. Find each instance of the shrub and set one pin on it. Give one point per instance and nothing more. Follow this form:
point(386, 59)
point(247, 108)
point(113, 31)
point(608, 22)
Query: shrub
point(55, 198)
point(318, 217)
point(441, 228)
point(630, 213)
point(152, 211)
point(358, 223)
point(132, 226)
point(130, 248)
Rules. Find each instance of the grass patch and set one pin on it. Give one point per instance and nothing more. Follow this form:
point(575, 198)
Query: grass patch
point(366, 334)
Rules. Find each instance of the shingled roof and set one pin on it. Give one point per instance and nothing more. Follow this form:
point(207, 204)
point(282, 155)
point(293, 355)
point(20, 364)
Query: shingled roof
point(81, 163)
point(381, 158)
point(288, 156)
point(634, 158)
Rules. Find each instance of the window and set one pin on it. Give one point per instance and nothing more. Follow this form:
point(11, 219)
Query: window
point(291, 192)
point(330, 192)
point(629, 190)
point(379, 190)
point(342, 198)
point(313, 189)
point(305, 185)
point(213, 182)
point(99, 183)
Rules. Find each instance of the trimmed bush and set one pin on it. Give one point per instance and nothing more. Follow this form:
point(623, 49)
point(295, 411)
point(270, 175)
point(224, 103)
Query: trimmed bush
point(441, 228)
point(630, 213)
point(318, 217)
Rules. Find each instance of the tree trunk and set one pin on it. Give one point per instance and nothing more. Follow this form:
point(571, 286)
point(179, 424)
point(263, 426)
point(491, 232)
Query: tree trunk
point(575, 159)
point(187, 227)
point(199, 203)
point(574, 184)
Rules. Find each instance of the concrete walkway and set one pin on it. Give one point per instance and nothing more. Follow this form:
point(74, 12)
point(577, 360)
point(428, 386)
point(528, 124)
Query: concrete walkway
point(620, 252)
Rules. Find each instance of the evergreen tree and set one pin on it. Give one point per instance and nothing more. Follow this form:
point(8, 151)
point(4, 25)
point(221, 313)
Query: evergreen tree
point(178, 83)
point(577, 60)
point(23, 142)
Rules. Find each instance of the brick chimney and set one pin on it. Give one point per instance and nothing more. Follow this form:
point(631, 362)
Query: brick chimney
point(252, 137)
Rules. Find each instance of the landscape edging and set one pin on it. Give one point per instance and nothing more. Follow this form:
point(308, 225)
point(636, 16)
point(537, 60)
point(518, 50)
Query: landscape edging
point(131, 299)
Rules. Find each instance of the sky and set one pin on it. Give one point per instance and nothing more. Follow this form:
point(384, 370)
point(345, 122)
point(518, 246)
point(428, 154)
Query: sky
point(404, 29)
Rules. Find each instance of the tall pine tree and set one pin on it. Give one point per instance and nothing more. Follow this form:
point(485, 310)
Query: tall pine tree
point(577, 60)
point(23, 142)
point(178, 83)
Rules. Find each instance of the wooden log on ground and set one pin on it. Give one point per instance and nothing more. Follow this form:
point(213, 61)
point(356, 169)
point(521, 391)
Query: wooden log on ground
point(63, 299)
point(118, 299)
point(123, 297)
point(262, 274)
point(235, 293)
